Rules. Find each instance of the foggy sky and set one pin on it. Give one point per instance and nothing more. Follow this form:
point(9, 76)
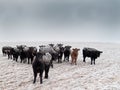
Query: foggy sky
point(60, 20)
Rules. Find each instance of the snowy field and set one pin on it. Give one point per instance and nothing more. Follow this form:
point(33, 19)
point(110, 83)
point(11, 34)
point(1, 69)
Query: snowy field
point(105, 75)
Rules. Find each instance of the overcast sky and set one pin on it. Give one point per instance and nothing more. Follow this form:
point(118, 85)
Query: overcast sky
point(60, 20)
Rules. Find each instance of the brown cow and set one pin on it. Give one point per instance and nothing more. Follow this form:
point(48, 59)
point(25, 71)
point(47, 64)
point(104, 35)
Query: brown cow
point(74, 56)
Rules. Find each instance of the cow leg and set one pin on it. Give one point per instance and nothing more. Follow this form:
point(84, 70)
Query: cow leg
point(28, 60)
point(64, 58)
point(8, 55)
point(94, 61)
point(51, 63)
point(91, 60)
point(75, 61)
point(31, 60)
point(84, 59)
point(61, 57)
point(41, 74)
point(21, 58)
point(35, 75)
point(58, 60)
point(72, 61)
point(16, 58)
point(47, 71)
point(11, 56)
point(68, 58)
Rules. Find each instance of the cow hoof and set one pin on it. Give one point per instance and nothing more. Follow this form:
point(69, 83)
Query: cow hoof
point(34, 82)
point(52, 66)
point(46, 77)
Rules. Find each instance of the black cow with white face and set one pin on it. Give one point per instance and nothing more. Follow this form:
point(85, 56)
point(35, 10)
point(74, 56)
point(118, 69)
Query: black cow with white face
point(92, 53)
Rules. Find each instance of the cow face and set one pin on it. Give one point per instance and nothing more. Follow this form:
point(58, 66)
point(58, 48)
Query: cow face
point(98, 53)
point(59, 45)
point(52, 45)
point(101, 51)
point(67, 47)
point(75, 50)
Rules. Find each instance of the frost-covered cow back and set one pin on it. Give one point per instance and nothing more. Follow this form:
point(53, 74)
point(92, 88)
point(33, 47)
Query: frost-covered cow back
point(92, 53)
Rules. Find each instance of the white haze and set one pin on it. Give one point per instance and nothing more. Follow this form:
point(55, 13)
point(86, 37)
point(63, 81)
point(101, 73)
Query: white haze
point(61, 20)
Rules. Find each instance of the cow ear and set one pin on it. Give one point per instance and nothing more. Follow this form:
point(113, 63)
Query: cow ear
point(101, 51)
point(78, 49)
point(73, 49)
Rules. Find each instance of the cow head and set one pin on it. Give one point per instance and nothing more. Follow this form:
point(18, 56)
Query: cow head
point(51, 45)
point(101, 51)
point(60, 45)
point(42, 46)
point(98, 53)
point(75, 50)
point(67, 47)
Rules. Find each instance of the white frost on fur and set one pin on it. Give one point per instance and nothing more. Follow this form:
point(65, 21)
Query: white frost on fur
point(47, 57)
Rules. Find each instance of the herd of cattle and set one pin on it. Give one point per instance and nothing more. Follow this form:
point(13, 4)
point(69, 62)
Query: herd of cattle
point(43, 58)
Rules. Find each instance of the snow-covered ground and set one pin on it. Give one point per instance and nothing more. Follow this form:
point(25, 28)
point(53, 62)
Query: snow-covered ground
point(105, 75)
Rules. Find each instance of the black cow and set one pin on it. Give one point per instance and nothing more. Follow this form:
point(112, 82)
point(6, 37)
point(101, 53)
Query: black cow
point(52, 45)
point(39, 66)
point(6, 50)
point(67, 52)
point(31, 53)
point(27, 53)
point(60, 54)
point(15, 53)
point(59, 50)
point(92, 53)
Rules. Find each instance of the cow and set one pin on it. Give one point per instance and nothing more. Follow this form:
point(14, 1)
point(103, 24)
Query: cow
point(23, 53)
point(31, 53)
point(15, 52)
point(60, 54)
point(52, 45)
point(6, 51)
point(74, 56)
point(40, 64)
point(27, 53)
point(67, 52)
point(20, 47)
point(48, 49)
point(92, 53)
point(59, 50)
point(54, 50)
